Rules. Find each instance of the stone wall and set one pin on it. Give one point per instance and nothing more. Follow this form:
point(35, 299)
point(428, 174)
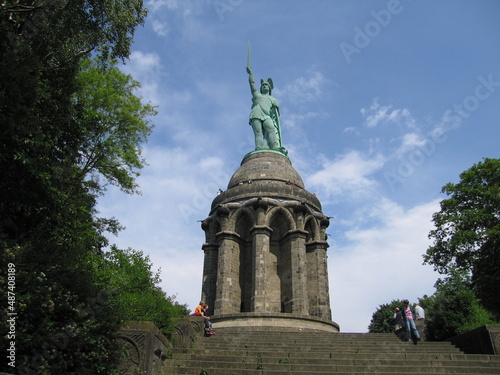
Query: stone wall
point(147, 350)
point(482, 340)
point(145, 347)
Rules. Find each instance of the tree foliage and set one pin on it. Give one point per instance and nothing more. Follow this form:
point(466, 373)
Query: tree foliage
point(467, 234)
point(382, 319)
point(127, 275)
point(454, 308)
point(114, 121)
point(70, 125)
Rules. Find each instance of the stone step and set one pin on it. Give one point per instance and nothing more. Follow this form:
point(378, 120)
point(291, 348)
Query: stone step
point(313, 347)
point(304, 333)
point(318, 342)
point(353, 361)
point(333, 351)
point(287, 369)
point(315, 353)
point(316, 358)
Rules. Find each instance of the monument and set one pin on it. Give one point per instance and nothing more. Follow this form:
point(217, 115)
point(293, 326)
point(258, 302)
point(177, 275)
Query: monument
point(265, 261)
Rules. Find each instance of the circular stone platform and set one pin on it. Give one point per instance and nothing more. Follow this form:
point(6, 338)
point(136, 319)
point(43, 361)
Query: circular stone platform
point(274, 321)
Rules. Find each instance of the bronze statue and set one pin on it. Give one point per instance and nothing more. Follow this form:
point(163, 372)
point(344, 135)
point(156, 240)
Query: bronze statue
point(265, 113)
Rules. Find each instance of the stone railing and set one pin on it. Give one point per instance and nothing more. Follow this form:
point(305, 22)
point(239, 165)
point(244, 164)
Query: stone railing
point(482, 340)
point(147, 350)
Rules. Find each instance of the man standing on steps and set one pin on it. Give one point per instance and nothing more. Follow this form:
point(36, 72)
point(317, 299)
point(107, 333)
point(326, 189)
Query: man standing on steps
point(420, 313)
point(420, 321)
point(409, 319)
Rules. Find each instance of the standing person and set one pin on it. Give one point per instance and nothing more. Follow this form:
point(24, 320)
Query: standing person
point(398, 320)
point(409, 319)
point(419, 312)
point(420, 321)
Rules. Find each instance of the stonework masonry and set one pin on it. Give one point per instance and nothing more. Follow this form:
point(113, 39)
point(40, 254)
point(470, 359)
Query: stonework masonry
point(265, 245)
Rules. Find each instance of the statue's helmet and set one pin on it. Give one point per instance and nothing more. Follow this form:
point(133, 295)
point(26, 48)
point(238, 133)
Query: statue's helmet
point(269, 83)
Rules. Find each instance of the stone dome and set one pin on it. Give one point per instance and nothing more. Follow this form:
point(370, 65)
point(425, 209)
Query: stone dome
point(266, 166)
point(266, 174)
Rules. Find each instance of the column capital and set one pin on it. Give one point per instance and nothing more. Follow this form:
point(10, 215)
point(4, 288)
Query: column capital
point(261, 229)
point(209, 246)
point(314, 245)
point(226, 234)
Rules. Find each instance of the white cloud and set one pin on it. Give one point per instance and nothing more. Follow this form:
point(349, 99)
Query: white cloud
point(155, 5)
point(177, 190)
point(409, 142)
point(303, 89)
point(160, 28)
point(380, 262)
point(347, 175)
point(377, 114)
point(147, 69)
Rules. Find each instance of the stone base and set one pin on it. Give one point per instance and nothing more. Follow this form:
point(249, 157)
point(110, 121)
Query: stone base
point(274, 321)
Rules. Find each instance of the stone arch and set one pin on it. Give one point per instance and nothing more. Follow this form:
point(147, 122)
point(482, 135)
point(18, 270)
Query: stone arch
point(281, 222)
point(236, 215)
point(213, 228)
point(312, 228)
point(290, 220)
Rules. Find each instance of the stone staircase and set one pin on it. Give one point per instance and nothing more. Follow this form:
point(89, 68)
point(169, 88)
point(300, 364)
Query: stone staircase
point(266, 352)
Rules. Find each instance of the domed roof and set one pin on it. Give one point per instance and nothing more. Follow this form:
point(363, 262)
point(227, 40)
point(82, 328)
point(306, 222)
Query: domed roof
point(266, 166)
point(266, 174)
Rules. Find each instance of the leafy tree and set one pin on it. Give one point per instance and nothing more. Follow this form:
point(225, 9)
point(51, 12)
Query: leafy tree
point(43, 43)
point(467, 234)
point(113, 122)
point(56, 143)
point(382, 318)
point(454, 309)
point(127, 275)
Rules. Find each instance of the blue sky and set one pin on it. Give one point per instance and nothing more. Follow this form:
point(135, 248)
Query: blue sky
point(382, 103)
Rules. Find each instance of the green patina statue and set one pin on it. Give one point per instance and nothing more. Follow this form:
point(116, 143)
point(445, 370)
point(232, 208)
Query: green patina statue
point(265, 114)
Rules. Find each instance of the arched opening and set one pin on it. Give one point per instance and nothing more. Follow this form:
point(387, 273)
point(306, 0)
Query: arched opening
point(242, 228)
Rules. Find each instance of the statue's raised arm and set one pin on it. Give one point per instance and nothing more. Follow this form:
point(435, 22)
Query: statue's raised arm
point(251, 81)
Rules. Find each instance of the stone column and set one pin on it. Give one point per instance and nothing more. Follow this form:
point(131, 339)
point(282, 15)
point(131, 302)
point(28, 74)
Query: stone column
point(261, 235)
point(299, 301)
point(318, 288)
point(228, 292)
point(208, 290)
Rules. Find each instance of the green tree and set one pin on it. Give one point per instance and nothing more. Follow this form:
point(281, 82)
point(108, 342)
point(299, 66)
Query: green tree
point(113, 121)
point(127, 275)
point(382, 319)
point(467, 234)
point(454, 309)
point(55, 144)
